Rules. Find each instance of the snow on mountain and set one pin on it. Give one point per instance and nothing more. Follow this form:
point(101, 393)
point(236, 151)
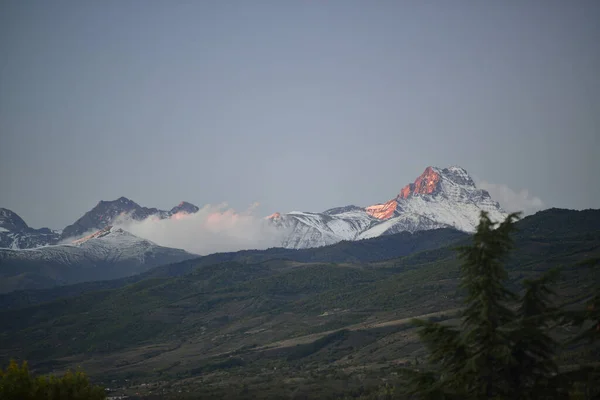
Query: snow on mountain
point(16, 234)
point(307, 229)
point(115, 244)
point(106, 212)
point(438, 198)
point(107, 254)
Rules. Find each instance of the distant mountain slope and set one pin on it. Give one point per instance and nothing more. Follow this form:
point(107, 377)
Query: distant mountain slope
point(557, 223)
point(108, 254)
point(560, 221)
point(439, 198)
point(376, 249)
point(16, 234)
point(105, 213)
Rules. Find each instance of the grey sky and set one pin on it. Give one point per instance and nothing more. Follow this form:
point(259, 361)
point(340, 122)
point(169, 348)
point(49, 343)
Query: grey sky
point(294, 104)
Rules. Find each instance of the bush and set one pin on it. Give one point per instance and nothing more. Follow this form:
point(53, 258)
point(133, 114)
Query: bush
point(17, 383)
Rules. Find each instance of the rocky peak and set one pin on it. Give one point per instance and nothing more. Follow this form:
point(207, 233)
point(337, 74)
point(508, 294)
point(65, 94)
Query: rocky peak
point(122, 204)
point(185, 207)
point(104, 214)
point(453, 183)
point(102, 232)
point(435, 180)
point(382, 211)
point(16, 234)
point(341, 210)
point(426, 183)
point(274, 216)
point(458, 175)
point(11, 221)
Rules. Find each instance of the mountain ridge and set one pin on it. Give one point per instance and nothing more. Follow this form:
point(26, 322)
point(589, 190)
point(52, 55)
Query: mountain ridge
point(110, 253)
point(16, 234)
point(105, 213)
point(438, 198)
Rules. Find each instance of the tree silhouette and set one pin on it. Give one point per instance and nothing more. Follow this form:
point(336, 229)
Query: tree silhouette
point(502, 348)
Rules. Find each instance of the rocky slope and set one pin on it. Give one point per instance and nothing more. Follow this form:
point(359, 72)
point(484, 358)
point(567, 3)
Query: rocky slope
point(16, 234)
point(438, 198)
point(105, 213)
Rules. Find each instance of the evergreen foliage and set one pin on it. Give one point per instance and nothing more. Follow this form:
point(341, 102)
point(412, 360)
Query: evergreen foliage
point(17, 383)
point(503, 348)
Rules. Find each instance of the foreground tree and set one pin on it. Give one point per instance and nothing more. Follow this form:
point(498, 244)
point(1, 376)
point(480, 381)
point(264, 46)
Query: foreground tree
point(591, 314)
point(503, 348)
point(17, 383)
point(587, 375)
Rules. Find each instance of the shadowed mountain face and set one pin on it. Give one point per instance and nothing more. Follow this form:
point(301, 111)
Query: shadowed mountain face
point(105, 213)
point(108, 254)
point(438, 198)
point(34, 259)
point(184, 207)
point(10, 221)
point(16, 234)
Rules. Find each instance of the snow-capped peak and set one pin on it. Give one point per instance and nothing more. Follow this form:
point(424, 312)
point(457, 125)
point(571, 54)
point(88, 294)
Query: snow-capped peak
point(16, 234)
point(438, 198)
point(106, 212)
point(109, 233)
point(184, 207)
point(435, 180)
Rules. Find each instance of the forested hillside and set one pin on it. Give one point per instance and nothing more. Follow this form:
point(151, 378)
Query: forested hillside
point(252, 326)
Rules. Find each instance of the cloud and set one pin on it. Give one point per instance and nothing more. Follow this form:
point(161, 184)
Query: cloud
point(512, 200)
point(214, 228)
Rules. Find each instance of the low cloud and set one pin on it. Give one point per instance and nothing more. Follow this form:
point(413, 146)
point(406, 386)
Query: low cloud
point(214, 228)
point(512, 200)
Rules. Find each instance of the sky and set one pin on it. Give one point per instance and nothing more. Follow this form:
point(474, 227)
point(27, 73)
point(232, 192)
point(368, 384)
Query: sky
point(296, 105)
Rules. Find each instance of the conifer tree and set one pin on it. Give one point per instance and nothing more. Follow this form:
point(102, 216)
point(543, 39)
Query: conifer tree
point(533, 373)
point(592, 311)
point(486, 310)
point(503, 348)
point(586, 375)
point(470, 362)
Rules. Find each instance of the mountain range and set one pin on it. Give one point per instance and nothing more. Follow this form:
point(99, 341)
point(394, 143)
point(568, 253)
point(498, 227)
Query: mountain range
point(438, 198)
point(332, 304)
point(93, 249)
point(16, 234)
